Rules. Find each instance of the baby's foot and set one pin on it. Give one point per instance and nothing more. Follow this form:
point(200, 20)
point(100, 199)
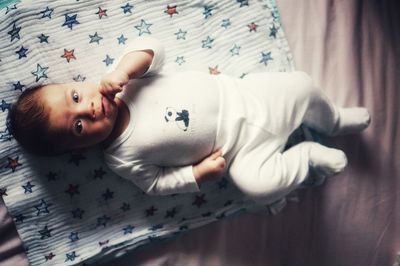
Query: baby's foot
point(352, 120)
point(326, 161)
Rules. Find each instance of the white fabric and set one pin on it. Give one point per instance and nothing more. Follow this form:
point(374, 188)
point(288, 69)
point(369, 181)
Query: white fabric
point(196, 39)
point(258, 114)
point(173, 121)
point(255, 114)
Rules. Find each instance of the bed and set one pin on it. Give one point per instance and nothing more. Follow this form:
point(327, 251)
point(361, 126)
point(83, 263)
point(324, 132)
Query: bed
point(352, 50)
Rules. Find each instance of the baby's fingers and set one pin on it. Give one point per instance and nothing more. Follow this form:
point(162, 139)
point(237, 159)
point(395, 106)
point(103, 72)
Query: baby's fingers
point(221, 162)
point(216, 154)
point(109, 90)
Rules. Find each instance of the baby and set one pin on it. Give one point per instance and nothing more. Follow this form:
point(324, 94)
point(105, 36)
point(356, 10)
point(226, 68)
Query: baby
point(170, 132)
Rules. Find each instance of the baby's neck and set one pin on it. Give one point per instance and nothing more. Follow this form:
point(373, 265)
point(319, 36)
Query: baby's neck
point(121, 122)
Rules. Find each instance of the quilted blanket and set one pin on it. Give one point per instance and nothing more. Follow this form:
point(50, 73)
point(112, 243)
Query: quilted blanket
point(72, 209)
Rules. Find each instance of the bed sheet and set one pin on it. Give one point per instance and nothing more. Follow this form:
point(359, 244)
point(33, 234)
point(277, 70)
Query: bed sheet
point(352, 50)
point(71, 209)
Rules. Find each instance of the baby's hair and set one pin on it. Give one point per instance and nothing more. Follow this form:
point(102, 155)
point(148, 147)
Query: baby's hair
point(28, 122)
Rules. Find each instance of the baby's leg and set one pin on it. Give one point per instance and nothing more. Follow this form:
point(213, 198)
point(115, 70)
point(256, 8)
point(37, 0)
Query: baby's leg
point(266, 180)
point(329, 119)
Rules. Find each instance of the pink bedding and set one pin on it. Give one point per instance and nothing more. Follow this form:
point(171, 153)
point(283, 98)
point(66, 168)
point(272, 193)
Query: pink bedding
point(352, 49)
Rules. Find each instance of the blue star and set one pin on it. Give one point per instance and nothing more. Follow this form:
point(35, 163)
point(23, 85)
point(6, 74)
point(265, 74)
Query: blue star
point(143, 27)
point(171, 213)
point(70, 21)
point(45, 232)
point(28, 187)
point(128, 229)
point(74, 236)
point(181, 34)
point(207, 11)
point(95, 38)
point(121, 39)
point(127, 8)
point(108, 194)
point(99, 173)
point(156, 227)
point(76, 158)
point(180, 60)
point(43, 38)
point(18, 86)
point(3, 192)
point(71, 256)
point(21, 52)
point(226, 23)
point(243, 2)
point(108, 60)
point(40, 72)
point(275, 15)
point(77, 213)
point(125, 207)
point(51, 176)
point(5, 106)
point(273, 32)
point(11, 8)
point(207, 43)
point(265, 58)
point(103, 220)
point(79, 78)
point(14, 32)
point(4, 136)
point(47, 12)
point(235, 50)
point(42, 207)
point(19, 218)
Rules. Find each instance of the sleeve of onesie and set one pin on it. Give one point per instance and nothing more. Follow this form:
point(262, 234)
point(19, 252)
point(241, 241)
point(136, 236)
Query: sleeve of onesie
point(171, 180)
point(155, 180)
point(146, 43)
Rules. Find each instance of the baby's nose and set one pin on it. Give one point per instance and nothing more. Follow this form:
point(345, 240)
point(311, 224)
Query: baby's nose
point(89, 111)
point(93, 112)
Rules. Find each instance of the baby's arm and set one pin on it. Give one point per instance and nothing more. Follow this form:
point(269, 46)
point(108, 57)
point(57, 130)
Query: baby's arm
point(156, 180)
point(132, 65)
point(210, 168)
point(144, 56)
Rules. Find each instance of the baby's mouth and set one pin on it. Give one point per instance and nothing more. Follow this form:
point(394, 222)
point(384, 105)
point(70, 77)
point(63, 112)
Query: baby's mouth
point(104, 105)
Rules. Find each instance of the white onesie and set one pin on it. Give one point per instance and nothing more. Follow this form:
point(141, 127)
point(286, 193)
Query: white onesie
point(176, 120)
point(173, 124)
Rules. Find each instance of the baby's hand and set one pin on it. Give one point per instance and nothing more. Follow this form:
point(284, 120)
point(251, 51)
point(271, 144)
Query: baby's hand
point(210, 168)
point(112, 83)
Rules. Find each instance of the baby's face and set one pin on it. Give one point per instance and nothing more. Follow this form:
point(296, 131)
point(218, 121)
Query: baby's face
point(83, 115)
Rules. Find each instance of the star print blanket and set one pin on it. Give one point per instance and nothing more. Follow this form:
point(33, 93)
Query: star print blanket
point(72, 209)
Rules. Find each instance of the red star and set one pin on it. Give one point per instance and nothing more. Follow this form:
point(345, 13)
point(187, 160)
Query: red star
point(72, 190)
point(13, 163)
point(101, 13)
point(171, 10)
point(252, 26)
point(68, 54)
point(214, 70)
point(50, 256)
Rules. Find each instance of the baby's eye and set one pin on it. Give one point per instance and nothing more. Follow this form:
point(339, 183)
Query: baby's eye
point(78, 127)
point(75, 96)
